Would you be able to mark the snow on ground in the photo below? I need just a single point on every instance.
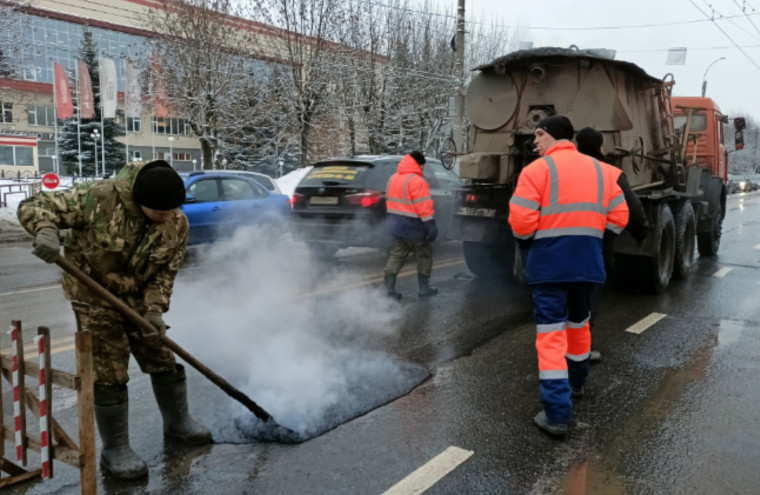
(8, 221)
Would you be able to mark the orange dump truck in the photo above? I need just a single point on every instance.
(671, 150)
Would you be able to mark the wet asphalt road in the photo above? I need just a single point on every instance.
(673, 409)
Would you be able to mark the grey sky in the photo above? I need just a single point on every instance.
(731, 82)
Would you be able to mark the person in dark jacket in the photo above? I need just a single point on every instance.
(412, 225)
(591, 142)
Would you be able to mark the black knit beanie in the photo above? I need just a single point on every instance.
(558, 127)
(158, 187)
(418, 157)
(590, 142)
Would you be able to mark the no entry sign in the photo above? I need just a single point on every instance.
(50, 181)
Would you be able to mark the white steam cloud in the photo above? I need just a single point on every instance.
(275, 323)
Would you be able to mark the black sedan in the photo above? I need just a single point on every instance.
(341, 202)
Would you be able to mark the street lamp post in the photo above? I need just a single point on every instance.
(194, 162)
(95, 135)
(704, 78)
(55, 164)
(171, 151)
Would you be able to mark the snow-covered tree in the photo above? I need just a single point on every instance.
(212, 70)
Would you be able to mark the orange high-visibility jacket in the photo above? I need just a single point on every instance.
(563, 203)
(408, 200)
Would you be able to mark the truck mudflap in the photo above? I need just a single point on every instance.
(474, 228)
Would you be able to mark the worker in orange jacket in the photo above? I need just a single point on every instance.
(412, 225)
(562, 205)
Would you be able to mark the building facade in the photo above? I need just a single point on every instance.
(36, 34)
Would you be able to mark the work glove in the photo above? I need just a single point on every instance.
(155, 319)
(431, 230)
(46, 245)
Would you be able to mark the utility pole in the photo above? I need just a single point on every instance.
(459, 68)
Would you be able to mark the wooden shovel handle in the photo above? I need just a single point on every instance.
(141, 322)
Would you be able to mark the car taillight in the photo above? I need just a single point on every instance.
(297, 199)
(471, 198)
(364, 199)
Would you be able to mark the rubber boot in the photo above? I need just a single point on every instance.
(117, 457)
(390, 286)
(596, 356)
(170, 389)
(555, 429)
(424, 284)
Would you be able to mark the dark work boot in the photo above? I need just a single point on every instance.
(117, 457)
(390, 286)
(170, 389)
(424, 284)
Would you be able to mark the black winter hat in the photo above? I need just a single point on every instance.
(558, 127)
(159, 187)
(418, 157)
(590, 142)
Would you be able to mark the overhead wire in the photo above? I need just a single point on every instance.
(726, 34)
(748, 17)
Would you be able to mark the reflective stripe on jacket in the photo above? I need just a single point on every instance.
(563, 203)
(408, 200)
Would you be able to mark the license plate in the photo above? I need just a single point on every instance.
(476, 212)
(324, 200)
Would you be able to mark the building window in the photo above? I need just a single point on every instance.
(161, 155)
(170, 126)
(6, 155)
(7, 116)
(22, 156)
(133, 124)
(41, 115)
(182, 157)
(135, 156)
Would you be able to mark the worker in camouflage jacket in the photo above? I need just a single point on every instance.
(129, 234)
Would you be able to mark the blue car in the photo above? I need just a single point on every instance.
(218, 204)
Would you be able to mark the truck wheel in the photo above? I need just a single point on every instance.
(492, 261)
(709, 242)
(660, 267)
(686, 231)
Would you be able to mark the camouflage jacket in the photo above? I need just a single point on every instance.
(111, 240)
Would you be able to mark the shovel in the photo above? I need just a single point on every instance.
(271, 431)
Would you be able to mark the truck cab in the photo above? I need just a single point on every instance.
(705, 144)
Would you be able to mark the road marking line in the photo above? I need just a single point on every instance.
(431, 472)
(372, 280)
(722, 272)
(30, 290)
(645, 323)
(30, 350)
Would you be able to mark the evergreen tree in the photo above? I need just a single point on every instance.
(70, 136)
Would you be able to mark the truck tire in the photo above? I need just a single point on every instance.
(491, 261)
(686, 238)
(660, 266)
(708, 242)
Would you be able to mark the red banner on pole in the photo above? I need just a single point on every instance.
(87, 102)
(64, 105)
(160, 98)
